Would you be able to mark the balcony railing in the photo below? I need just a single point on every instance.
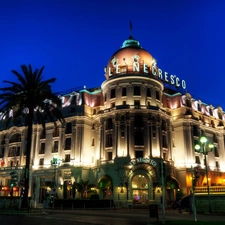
(119, 107)
(212, 189)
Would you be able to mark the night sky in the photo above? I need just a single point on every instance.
(74, 39)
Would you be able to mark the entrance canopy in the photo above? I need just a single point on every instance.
(172, 183)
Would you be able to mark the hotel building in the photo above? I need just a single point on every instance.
(128, 137)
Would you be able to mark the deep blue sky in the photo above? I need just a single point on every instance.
(74, 39)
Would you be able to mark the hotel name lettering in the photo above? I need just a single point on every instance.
(143, 160)
(146, 68)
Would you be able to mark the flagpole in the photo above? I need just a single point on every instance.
(130, 27)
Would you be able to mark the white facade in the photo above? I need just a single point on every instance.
(116, 137)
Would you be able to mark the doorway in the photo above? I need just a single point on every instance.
(140, 189)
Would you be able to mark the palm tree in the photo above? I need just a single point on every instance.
(31, 98)
(83, 187)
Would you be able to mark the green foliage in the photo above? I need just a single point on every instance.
(31, 100)
(31, 92)
(84, 188)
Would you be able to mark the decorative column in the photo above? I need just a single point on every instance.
(101, 138)
(170, 143)
(128, 137)
(116, 136)
(73, 142)
(149, 130)
(158, 125)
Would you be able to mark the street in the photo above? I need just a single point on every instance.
(100, 217)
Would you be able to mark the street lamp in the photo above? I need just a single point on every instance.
(55, 162)
(204, 148)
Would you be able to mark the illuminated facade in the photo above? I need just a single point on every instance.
(116, 137)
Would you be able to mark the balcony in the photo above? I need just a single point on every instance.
(120, 107)
(212, 189)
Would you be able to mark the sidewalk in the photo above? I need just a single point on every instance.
(170, 214)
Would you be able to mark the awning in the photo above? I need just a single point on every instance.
(172, 183)
(104, 182)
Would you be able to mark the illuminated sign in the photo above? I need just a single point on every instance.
(150, 69)
(143, 160)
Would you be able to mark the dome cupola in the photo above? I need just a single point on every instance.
(130, 59)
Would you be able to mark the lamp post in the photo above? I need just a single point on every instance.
(204, 148)
(55, 162)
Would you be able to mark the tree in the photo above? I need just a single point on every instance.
(83, 187)
(31, 98)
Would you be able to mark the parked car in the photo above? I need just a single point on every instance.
(183, 202)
